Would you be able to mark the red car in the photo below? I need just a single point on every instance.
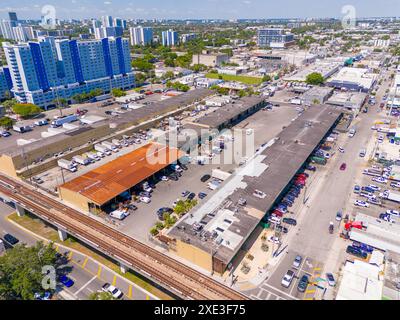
(277, 213)
(343, 167)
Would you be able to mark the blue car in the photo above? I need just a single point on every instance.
(202, 195)
(66, 281)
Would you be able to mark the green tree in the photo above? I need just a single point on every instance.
(266, 78)
(9, 104)
(168, 75)
(6, 122)
(101, 296)
(26, 110)
(142, 65)
(118, 93)
(21, 270)
(315, 78)
(199, 67)
(95, 93)
(60, 103)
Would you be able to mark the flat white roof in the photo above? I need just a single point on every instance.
(361, 281)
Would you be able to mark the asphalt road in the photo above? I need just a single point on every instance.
(330, 191)
(88, 275)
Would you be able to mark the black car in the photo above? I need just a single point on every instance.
(282, 229)
(183, 166)
(173, 177)
(356, 252)
(311, 168)
(303, 283)
(11, 239)
(162, 211)
(205, 178)
(290, 221)
(191, 196)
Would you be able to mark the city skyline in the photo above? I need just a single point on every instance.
(215, 9)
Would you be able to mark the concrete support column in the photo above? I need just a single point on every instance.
(124, 269)
(62, 235)
(20, 211)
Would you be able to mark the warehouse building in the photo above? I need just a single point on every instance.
(212, 236)
(38, 156)
(317, 95)
(96, 189)
(353, 79)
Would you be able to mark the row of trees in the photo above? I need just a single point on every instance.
(178, 86)
(82, 97)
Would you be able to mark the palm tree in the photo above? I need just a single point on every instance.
(60, 104)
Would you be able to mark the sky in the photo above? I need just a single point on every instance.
(200, 9)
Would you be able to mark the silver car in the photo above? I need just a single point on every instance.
(297, 262)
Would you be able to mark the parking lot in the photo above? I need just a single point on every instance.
(266, 125)
(94, 109)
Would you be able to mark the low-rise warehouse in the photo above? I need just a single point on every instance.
(98, 187)
(37, 156)
(212, 236)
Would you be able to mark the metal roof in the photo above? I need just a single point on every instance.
(110, 180)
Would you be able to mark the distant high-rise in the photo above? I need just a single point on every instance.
(13, 17)
(50, 68)
(5, 82)
(6, 28)
(169, 38)
(107, 21)
(141, 36)
(106, 32)
(118, 22)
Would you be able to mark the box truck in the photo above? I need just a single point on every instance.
(110, 145)
(81, 160)
(67, 119)
(103, 149)
(67, 165)
(21, 129)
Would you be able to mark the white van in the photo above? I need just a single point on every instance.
(362, 153)
(119, 215)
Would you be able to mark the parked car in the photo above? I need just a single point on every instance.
(303, 283)
(343, 167)
(205, 178)
(115, 292)
(339, 216)
(289, 221)
(374, 187)
(287, 279)
(191, 196)
(331, 279)
(380, 180)
(356, 252)
(281, 229)
(202, 195)
(357, 189)
(185, 194)
(297, 262)
(360, 203)
(11, 239)
(274, 240)
(145, 199)
(311, 168)
(66, 281)
(162, 211)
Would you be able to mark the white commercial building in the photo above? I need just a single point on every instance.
(361, 281)
(354, 79)
(326, 69)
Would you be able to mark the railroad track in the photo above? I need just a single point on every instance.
(165, 270)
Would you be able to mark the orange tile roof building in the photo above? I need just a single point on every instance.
(102, 185)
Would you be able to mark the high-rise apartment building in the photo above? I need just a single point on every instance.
(5, 82)
(106, 32)
(44, 70)
(141, 36)
(107, 21)
(169, 38)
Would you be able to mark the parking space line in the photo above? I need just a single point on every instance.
(85, 285)
(85, 262)
(57, 247)
(130, 291)
(311, 291)
(114, 280)
(147, 297)
(99, 271)
(70, 254)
